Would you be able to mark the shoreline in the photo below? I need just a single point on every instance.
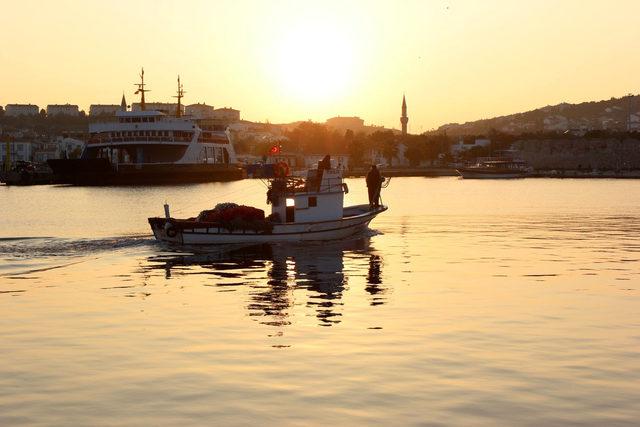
(438, 172)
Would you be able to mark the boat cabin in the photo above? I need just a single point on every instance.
(506, 164)
(316, 198)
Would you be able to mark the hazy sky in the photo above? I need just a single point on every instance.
(295, 60)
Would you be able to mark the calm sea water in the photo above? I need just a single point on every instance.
(468, 303)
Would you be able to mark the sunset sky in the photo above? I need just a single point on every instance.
(295, 60)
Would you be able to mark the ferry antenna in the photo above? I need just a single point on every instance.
(141, 90)
(180, 94)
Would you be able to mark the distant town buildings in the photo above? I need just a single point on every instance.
(36, 149)
(108, 109)
(200, 111)
(104, 109)
(59, 109)
(68, 147)
(555, 123)
(228, 115)
(44, 151)
(464, 145)
(338, 161)
(255, 132)
(354, 124)
(16, 110)
(164, 107)
(19, 151)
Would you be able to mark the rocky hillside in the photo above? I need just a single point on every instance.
(613, 114)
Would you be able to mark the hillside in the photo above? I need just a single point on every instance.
(612, 114)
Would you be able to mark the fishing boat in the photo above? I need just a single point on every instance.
(302, 209)
(495, 168)
(150, 147)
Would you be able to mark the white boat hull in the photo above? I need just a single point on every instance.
(355, 220)
(470, 174)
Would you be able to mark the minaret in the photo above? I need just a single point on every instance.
(404, 119)
(123, 103)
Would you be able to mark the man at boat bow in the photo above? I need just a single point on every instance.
(374, 181)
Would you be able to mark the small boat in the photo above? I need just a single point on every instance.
(27, 173)
(496, 168)
(302, 209)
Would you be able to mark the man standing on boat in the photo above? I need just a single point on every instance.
(374, 180)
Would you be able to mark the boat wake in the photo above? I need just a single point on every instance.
(55, 246)
(25, 255)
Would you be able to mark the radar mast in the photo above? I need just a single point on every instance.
(180, 94)
(141, 90)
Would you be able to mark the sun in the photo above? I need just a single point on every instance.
(314, 62)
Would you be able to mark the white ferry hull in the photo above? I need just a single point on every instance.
(356, 220)
(102, 172)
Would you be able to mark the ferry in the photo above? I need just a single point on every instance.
(302, 209)
(150, 147)
(496, 168)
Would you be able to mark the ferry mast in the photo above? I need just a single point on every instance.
(141, 90)
(180, 94)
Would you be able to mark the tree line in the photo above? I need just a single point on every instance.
(316, 138)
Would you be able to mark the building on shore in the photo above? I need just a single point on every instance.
(44, 151)
(108, 109)
(68, 146)
(338, 161)
(226, 114)
(354, 124)
(464, 145)
(62, 110)
(38, 149)
(220, 119)
(104, 109)
(18, 151)
(200, 111)
(16, 110)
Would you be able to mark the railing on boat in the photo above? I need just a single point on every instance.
(295, 185)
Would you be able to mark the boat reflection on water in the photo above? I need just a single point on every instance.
(274, 274)
(374, 282)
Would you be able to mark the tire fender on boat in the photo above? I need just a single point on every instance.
(170, 230)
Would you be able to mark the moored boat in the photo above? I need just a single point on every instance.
(302, 209)
(150, 147)
(495, 168)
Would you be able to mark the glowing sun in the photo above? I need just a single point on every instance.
(314, 62)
